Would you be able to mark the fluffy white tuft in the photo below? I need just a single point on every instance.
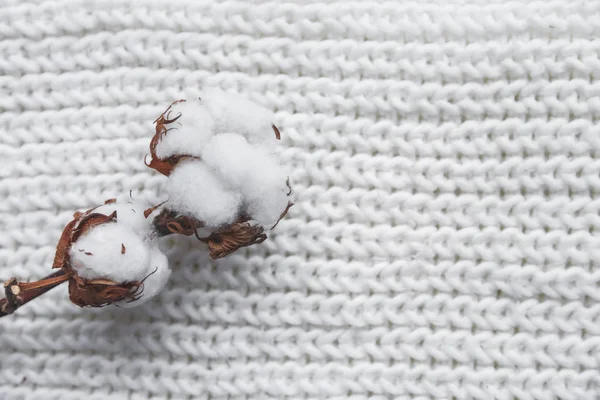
(191, 131)
(131, 216)
(196, 191)
(252, 171)
(265, 192)
(229, 156)
(98, 254)
(155, 280)
(234, 113)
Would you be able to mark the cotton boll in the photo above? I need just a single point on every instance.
(130, 215)
(235, 113)
(155, 280)
(194, 190)
(187, 135)
(111, 251)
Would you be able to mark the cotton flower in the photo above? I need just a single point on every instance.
(223, 173)
(111, 255)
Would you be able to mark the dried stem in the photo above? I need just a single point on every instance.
(19, 294)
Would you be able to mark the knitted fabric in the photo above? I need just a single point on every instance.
(445, 242)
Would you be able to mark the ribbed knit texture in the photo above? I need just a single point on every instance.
(446, 239)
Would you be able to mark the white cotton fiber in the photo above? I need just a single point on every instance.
(234, 113)
(98, 254)
(195, 191)
(265, 191)
(229, 156)
(155, 280)
(187, 135)
(253, 172)
(130, 215)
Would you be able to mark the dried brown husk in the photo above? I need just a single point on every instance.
(229, 239)
(86, 292)
(284, 212)
(150, 210)
(168, 222)
(220, 243)
(99, 293)
(164, 165)
(240, 234)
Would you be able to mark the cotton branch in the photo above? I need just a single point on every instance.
(224, 176)
(20, 293)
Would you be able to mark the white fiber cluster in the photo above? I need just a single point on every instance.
(251, 171)
(122, 251)
(235, 113)
(234, 170)
(192, 128)
(131, 215)
(194, 189)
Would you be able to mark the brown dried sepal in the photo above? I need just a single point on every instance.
(81, 223)
(283, 213)
(150, 210)
(164, 165)
(233, 237)
(168, 222)
(101, 292)
(277, 133)
(221, 243)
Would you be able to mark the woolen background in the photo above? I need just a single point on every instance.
(446, 239)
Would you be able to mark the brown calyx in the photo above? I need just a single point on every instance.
(232, 237)
(90, 292)
(220, 243)
(164, 165)
(169, 222)
(101, 292)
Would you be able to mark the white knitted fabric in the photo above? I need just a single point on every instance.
(446, 239)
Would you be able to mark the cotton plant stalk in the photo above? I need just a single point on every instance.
(225, 186)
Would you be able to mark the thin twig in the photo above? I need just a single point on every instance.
(19, 294)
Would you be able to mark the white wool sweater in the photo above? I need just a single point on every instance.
(445, 242)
